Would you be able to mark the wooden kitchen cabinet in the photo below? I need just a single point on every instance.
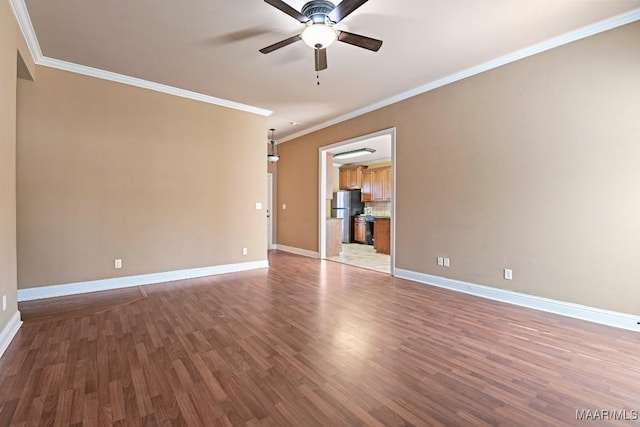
(374, 183)
(351, 177)
(360, 230)
(380, 184)
(386, 184)
(343, 181)
(377, 186)
(382, 235)
(366, 194)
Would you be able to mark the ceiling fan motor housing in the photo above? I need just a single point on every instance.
(317, 10)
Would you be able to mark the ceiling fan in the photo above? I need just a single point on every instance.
(319, 17)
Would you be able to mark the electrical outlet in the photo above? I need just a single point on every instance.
(4, 303)
(244, 251)
(117, 263)
(440, 261)
(447, 263)
(508, 274)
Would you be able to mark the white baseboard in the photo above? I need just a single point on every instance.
(591, 314)
(298, 251)
(130, 281)
(9, 331)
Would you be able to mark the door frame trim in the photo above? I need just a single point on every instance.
(270, 240)
(322, 190)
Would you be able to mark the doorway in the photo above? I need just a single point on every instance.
(359, 251)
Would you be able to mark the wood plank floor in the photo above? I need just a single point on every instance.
(311, 343)
(52, 309)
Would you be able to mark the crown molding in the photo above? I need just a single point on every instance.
(19, 9)
(145, 84)
(21, 13)
(590, 30)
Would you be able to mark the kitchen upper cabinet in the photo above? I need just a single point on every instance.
(367, 186)
(344, 179)
(376, 183)
(351, 177)
(386, 184)
(380, 185)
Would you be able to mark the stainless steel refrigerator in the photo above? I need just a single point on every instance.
(346, 204)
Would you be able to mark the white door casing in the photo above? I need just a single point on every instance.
(270, 244)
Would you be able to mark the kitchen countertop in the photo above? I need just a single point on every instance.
(374, 217)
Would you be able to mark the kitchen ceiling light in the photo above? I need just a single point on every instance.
(319, 36)
(355, 153)
(272, 156)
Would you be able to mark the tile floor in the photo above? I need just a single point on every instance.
(363, 256)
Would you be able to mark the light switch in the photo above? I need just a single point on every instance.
(284, 206)
(258, 206)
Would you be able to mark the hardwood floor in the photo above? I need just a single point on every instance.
(309, 343)
(51, 309)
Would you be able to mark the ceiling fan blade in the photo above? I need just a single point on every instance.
(279, 4)
(280, 44)
(360, 41)
(321, 59)
(342, 10)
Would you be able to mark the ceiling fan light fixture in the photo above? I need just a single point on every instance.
(319, 36)
(319, 18)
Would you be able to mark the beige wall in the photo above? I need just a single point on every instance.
(111, 171)
(532, 166)
(11, 45)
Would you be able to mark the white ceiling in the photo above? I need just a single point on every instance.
(211, 46)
